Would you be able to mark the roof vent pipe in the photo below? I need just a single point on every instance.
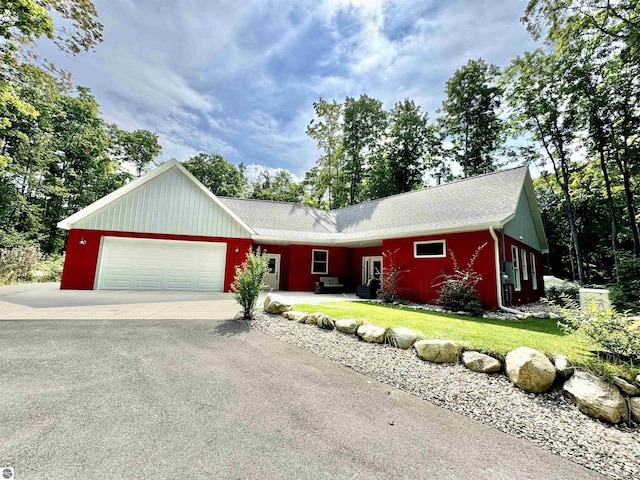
(499, 274)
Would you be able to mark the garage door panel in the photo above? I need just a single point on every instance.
(150, 264)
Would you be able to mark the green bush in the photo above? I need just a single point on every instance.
(457, 290)
(248, 281)
(18, 264)
(617, 334)
(49, 269)
(560, 295)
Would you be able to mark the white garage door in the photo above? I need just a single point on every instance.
(146, 264)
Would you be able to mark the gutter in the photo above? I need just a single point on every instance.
(496, 249)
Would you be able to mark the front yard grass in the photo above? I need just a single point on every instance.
(488, 335)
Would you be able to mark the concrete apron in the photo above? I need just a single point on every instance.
(46, 301)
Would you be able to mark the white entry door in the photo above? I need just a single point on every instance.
(150, 264)
(272, 279)
(371, 268)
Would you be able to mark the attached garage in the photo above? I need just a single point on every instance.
(150, 264)
(163, 231)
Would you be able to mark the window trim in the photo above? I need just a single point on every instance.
(534, 272)
(313, 261)
(524, 264)
(515, 263)
(444, 249)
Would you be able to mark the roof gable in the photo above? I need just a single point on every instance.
(166, 200)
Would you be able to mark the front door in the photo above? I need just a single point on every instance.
(272, 279)
(371, 268)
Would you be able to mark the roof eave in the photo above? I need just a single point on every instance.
(343, 239)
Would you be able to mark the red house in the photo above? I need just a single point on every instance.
(167, 231)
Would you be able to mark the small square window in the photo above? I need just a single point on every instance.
(434, 249)
(320, 262)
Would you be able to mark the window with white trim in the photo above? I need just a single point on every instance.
(525, 268)
(319, 262)
(516, 268)
(534, 273)
(432, 249)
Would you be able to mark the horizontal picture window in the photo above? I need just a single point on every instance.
(434, 249)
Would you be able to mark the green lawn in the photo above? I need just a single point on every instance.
(498, 336)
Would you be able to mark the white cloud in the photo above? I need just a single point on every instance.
(240, 78)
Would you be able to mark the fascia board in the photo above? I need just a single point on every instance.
(350, 238)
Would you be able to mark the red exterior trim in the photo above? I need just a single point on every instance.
(81, 261)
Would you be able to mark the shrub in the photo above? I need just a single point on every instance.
(393, 273)
(560, 295)
(17, 264)
(49, 269)
(457, 290)
(248, 281)
(617, 334)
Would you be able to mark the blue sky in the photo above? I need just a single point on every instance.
(240, 77)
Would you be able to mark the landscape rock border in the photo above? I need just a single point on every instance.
(527, 368)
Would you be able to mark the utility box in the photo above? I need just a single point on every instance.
(599, 295)
(507, 273)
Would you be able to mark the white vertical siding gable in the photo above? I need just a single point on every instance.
(171, 203)
(521, 226)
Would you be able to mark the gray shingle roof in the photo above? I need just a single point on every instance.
(475, 202)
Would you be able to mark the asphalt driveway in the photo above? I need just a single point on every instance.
(209, 399)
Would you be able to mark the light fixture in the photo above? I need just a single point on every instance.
(83, 241)
(237, 249)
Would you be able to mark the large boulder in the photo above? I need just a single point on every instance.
(638, 379)
(479, 362)
(626, 387)
(596, 397)
(296, 316)
(325, 322)
(634, 408)
(347, 325)
(530, 370)
(371, 333)
(276, 304)
(437, 351)
(401, 337)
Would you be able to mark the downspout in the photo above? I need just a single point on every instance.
(496, 248)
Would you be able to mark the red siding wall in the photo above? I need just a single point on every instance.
(300, 276)
(283, 250)
(418, 282)
(81, 261)
(527, 294)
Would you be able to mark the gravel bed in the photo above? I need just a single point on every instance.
(549, 420)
